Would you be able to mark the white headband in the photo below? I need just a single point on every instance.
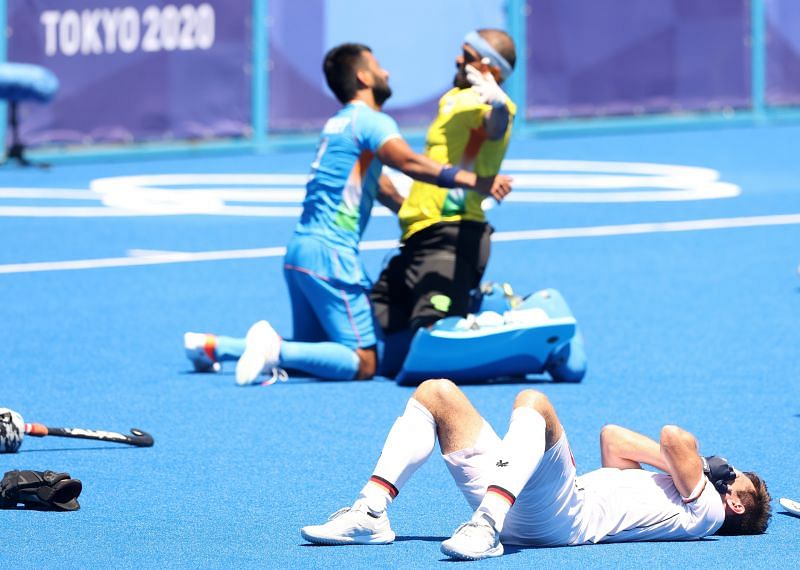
(485, 49)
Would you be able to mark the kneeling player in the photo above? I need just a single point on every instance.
(524, 488)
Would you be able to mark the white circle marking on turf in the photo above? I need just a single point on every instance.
(565, 181)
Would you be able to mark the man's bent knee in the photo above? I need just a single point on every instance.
(541, 403)
(533, 399)
(435, 392)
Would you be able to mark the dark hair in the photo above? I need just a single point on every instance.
(340, 66)
(757, 510)
(501, 42)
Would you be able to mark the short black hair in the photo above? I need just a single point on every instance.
(340, 66)
(757, 510)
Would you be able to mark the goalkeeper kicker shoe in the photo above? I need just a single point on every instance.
(261, 355)
(474, 540)
(351, 525)
(200, 350)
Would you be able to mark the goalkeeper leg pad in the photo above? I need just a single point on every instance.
(567, 362)
(539, 334)
(485, 346)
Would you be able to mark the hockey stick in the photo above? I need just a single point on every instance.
(138, 437)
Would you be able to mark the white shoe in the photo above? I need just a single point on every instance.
(261, 354)
(351, 525)
(792, 506)
(474, 540)
(200, 350)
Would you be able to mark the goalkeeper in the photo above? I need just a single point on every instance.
(445, 236)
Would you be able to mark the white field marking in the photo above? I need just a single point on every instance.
(559, 233)
(566, 181)
(157, 259)
(573, 181)
(48, 193)
(670, 182)
(56, 211)
(650, 228)
(148, 194)
(149, 252)
(72, 212)
(651, 168)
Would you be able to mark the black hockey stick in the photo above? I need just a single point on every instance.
(138, 437)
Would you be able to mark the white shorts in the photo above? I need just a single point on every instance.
(546, 512)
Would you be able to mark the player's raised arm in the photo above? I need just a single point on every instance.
(626, 449)
(496, 119)
(396, 153)
(488, 59)
(679, 450)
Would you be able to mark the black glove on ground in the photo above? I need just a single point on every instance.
(40, 490)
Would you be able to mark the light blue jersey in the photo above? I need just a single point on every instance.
(327, 283)
(344, 176)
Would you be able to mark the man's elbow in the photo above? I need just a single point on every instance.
(673, 436)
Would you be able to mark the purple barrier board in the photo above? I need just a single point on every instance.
(783, 52)
(623, 57)
(135, 70)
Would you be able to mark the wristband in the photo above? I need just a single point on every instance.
(447, 177)
(485, 49)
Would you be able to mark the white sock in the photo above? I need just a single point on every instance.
(519, 456)
(409, 444)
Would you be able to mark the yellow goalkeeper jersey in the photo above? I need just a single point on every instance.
(455, 137)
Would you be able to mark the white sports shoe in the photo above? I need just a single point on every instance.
(261, 354)
(202, 359)
(351, 525)
(474, 540)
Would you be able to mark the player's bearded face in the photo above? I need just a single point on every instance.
(468, 56)
(381, 90)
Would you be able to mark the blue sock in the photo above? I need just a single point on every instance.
(328, 360)
(229, 348)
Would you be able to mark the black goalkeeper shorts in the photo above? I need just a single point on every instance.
(432, 275)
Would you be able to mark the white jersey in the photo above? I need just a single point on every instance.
(633, 505)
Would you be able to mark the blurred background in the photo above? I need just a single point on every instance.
(139, 74)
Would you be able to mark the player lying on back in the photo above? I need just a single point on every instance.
(524, 489)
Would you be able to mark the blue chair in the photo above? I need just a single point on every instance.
(23, 82)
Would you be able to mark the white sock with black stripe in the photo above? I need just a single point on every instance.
(519, 456)
(409, 444)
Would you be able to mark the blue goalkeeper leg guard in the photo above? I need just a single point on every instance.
(538, 335)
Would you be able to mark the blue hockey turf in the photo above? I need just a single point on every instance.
(690, 309)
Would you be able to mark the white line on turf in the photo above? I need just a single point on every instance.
(150, 252)
(163, 257)
(552, 181)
